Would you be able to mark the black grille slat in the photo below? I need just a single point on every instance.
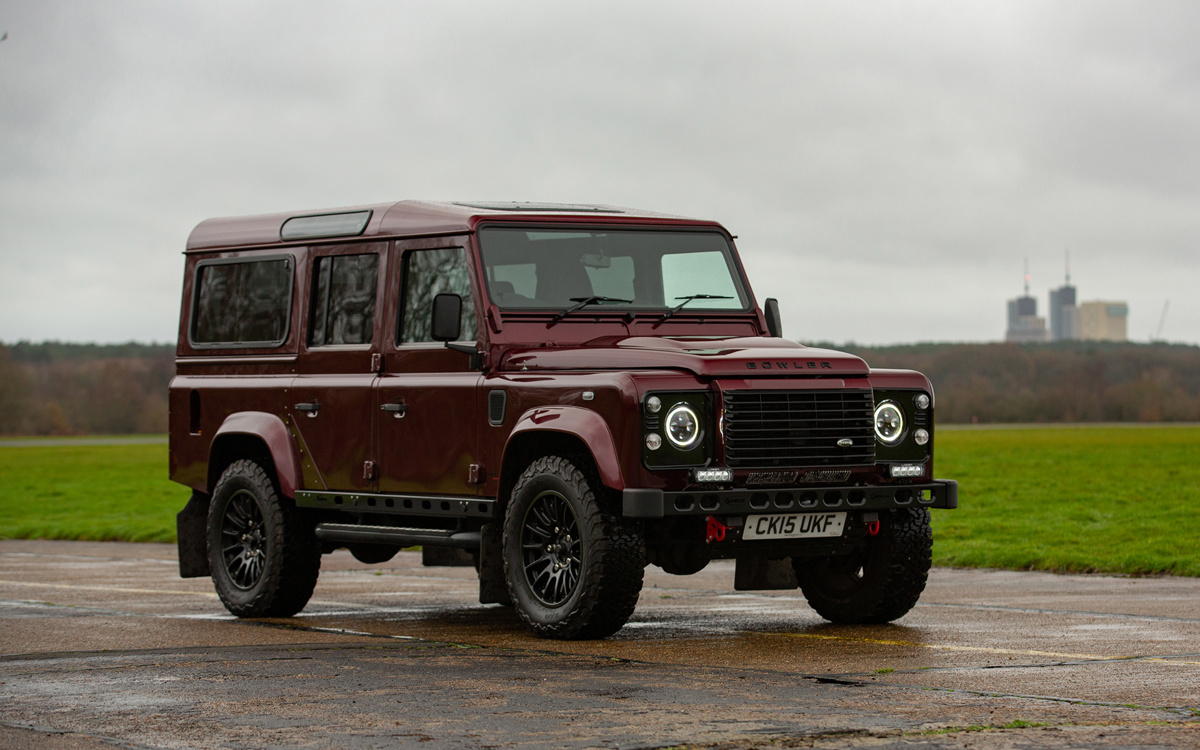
(798, 429)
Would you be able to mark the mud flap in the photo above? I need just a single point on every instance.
(493, 588)
(191, 532)
(761, 574)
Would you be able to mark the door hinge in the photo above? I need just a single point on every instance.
(368, 470)
(475, 474)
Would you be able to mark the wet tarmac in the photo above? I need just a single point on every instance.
(103, 645)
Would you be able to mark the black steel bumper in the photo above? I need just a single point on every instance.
(638, 503)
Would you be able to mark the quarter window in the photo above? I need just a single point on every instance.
(343, 300)
(428, 273)
(242, 303)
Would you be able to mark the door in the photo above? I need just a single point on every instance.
(331, 399)
(425, 401)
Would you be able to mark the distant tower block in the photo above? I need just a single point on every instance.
(1023, 323)
(1064, 314)
(1104, 321)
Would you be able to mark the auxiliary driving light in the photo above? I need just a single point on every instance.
(921, 400)
(907, 470)
(654, 441)
(921, 437)
(713, 475)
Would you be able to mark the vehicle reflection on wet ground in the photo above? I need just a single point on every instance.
(104, 642)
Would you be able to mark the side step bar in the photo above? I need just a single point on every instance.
(348, 533)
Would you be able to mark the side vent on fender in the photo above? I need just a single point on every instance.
(497, 400)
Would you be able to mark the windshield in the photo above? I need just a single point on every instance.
(555, 269)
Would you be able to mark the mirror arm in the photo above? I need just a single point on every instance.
(476, 362)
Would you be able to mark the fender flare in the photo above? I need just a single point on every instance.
(584, 424)
(274, 434)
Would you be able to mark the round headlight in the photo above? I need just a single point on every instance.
(683, 427)
(889, 423)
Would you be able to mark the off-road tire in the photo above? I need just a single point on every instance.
(264, 557)
(604, 555)
(880, 581)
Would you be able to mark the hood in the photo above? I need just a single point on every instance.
(705, 357)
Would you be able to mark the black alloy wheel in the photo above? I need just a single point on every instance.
(263, 554)
(573, 565)
(243, 541)
(551, 549)
(880, 581)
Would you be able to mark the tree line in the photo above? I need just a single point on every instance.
(56, 388)
(1068, 381)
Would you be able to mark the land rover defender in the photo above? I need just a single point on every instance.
(557, 395)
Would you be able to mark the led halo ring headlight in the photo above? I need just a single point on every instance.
(889, 423)
(682, 427)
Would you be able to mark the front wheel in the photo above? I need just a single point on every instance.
(264, 558)
(880, 580)
(574, 571)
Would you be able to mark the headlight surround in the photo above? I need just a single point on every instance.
(682, 427)
(889, 423)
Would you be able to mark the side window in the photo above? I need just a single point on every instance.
(428, 273)
(242, 303)
(342, 306)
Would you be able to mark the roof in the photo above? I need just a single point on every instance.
(401, 219)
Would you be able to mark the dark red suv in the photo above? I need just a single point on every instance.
(555, 394)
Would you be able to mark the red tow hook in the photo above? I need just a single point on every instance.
(716, 531)
(873, 527)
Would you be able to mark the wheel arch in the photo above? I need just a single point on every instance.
(260, 436)
(568, 431)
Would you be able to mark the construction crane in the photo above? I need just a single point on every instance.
(1162, 319)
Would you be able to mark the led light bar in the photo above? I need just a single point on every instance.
(712, 475)
(907, 470)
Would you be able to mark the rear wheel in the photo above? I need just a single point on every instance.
(880, 581)
(573, 570)
(264, 558)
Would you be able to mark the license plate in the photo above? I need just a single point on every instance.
(794, 526)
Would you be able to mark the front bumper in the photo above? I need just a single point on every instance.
(641, 503)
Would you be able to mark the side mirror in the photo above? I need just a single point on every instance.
(446, 324)
(771, 312)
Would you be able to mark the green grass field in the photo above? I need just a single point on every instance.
(98, 492)
(1116, 500)
(1103, 499)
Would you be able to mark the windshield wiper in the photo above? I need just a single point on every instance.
(582, 302)
(688, 299)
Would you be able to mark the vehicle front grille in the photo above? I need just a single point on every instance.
(796, 429)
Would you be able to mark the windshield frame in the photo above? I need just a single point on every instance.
(741, 287)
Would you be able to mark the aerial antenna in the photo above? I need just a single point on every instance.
(1027, 277)
(1068, 254)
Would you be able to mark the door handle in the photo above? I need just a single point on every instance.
(397, 410)
(309, 409)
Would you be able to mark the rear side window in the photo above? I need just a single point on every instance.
(242, 303)
(343, 300)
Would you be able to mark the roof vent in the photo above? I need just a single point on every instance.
(346, 224)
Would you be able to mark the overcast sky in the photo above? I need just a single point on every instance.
(887, 167)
